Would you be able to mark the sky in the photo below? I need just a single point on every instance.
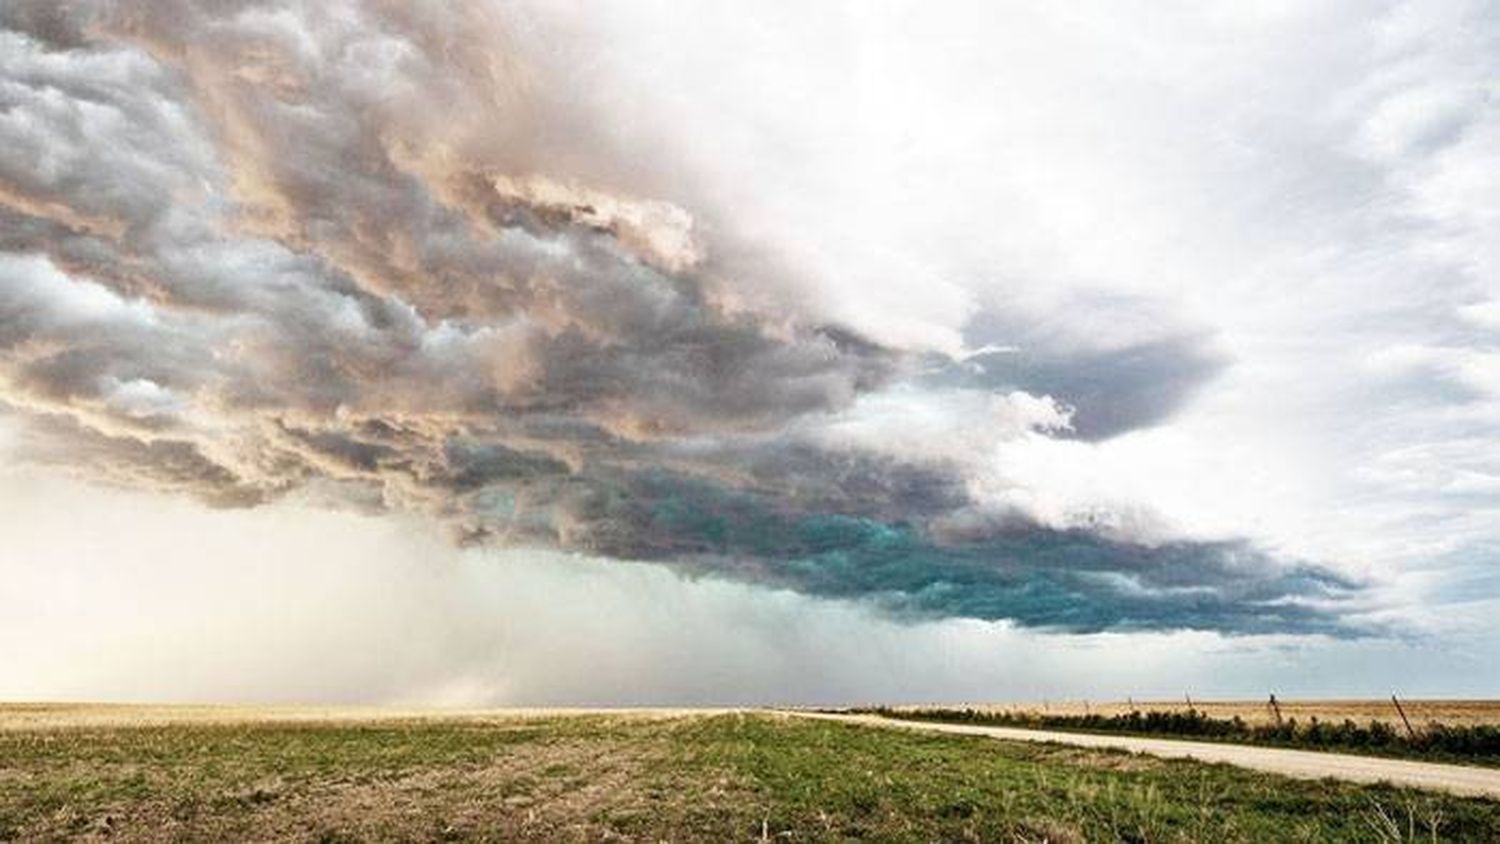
(505, 353)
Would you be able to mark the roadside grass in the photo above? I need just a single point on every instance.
(691, 778)
(1419, 711)
(1475, 744)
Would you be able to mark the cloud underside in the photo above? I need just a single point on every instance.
(369, 256)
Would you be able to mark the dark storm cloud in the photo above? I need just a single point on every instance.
(257, 248)
(1132, 380)
(1066, 580)
(1111, 392)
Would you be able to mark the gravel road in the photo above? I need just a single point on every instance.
(1304, 764)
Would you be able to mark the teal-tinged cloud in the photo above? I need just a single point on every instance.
(1034, 576)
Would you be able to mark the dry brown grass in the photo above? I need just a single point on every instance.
(1456, 713)
(43, 716)
(226, 774)
(95, 773)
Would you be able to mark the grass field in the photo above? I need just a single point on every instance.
(1467, 738)
(212, 774)
(1453, 713)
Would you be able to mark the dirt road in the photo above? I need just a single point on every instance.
(1304, 764)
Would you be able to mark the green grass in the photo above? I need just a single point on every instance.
(1466, 745)
(720, 778)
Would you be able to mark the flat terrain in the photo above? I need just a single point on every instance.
(122, 773)
(1454, 713)
(1305, 764)
(43, 716)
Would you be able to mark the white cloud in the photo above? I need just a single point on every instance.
(1314, 188)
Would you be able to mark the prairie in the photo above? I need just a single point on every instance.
(1452, 733)
(1421, 712)
(213, 773)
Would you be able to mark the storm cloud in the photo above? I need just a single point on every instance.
(1115, 382)
(375, 255)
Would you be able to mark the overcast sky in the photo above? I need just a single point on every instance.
(535, 352)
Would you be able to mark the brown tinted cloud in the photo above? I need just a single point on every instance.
(372, 255)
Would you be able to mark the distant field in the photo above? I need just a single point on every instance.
(1461, 732)
(127, 773)
(44, 716)
(1457, 713)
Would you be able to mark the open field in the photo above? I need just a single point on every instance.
(212, 773)
(45, 716)
(1318, 728)
(1453, 713)
(1464, 779)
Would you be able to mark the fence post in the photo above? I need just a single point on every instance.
(1410, 733)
